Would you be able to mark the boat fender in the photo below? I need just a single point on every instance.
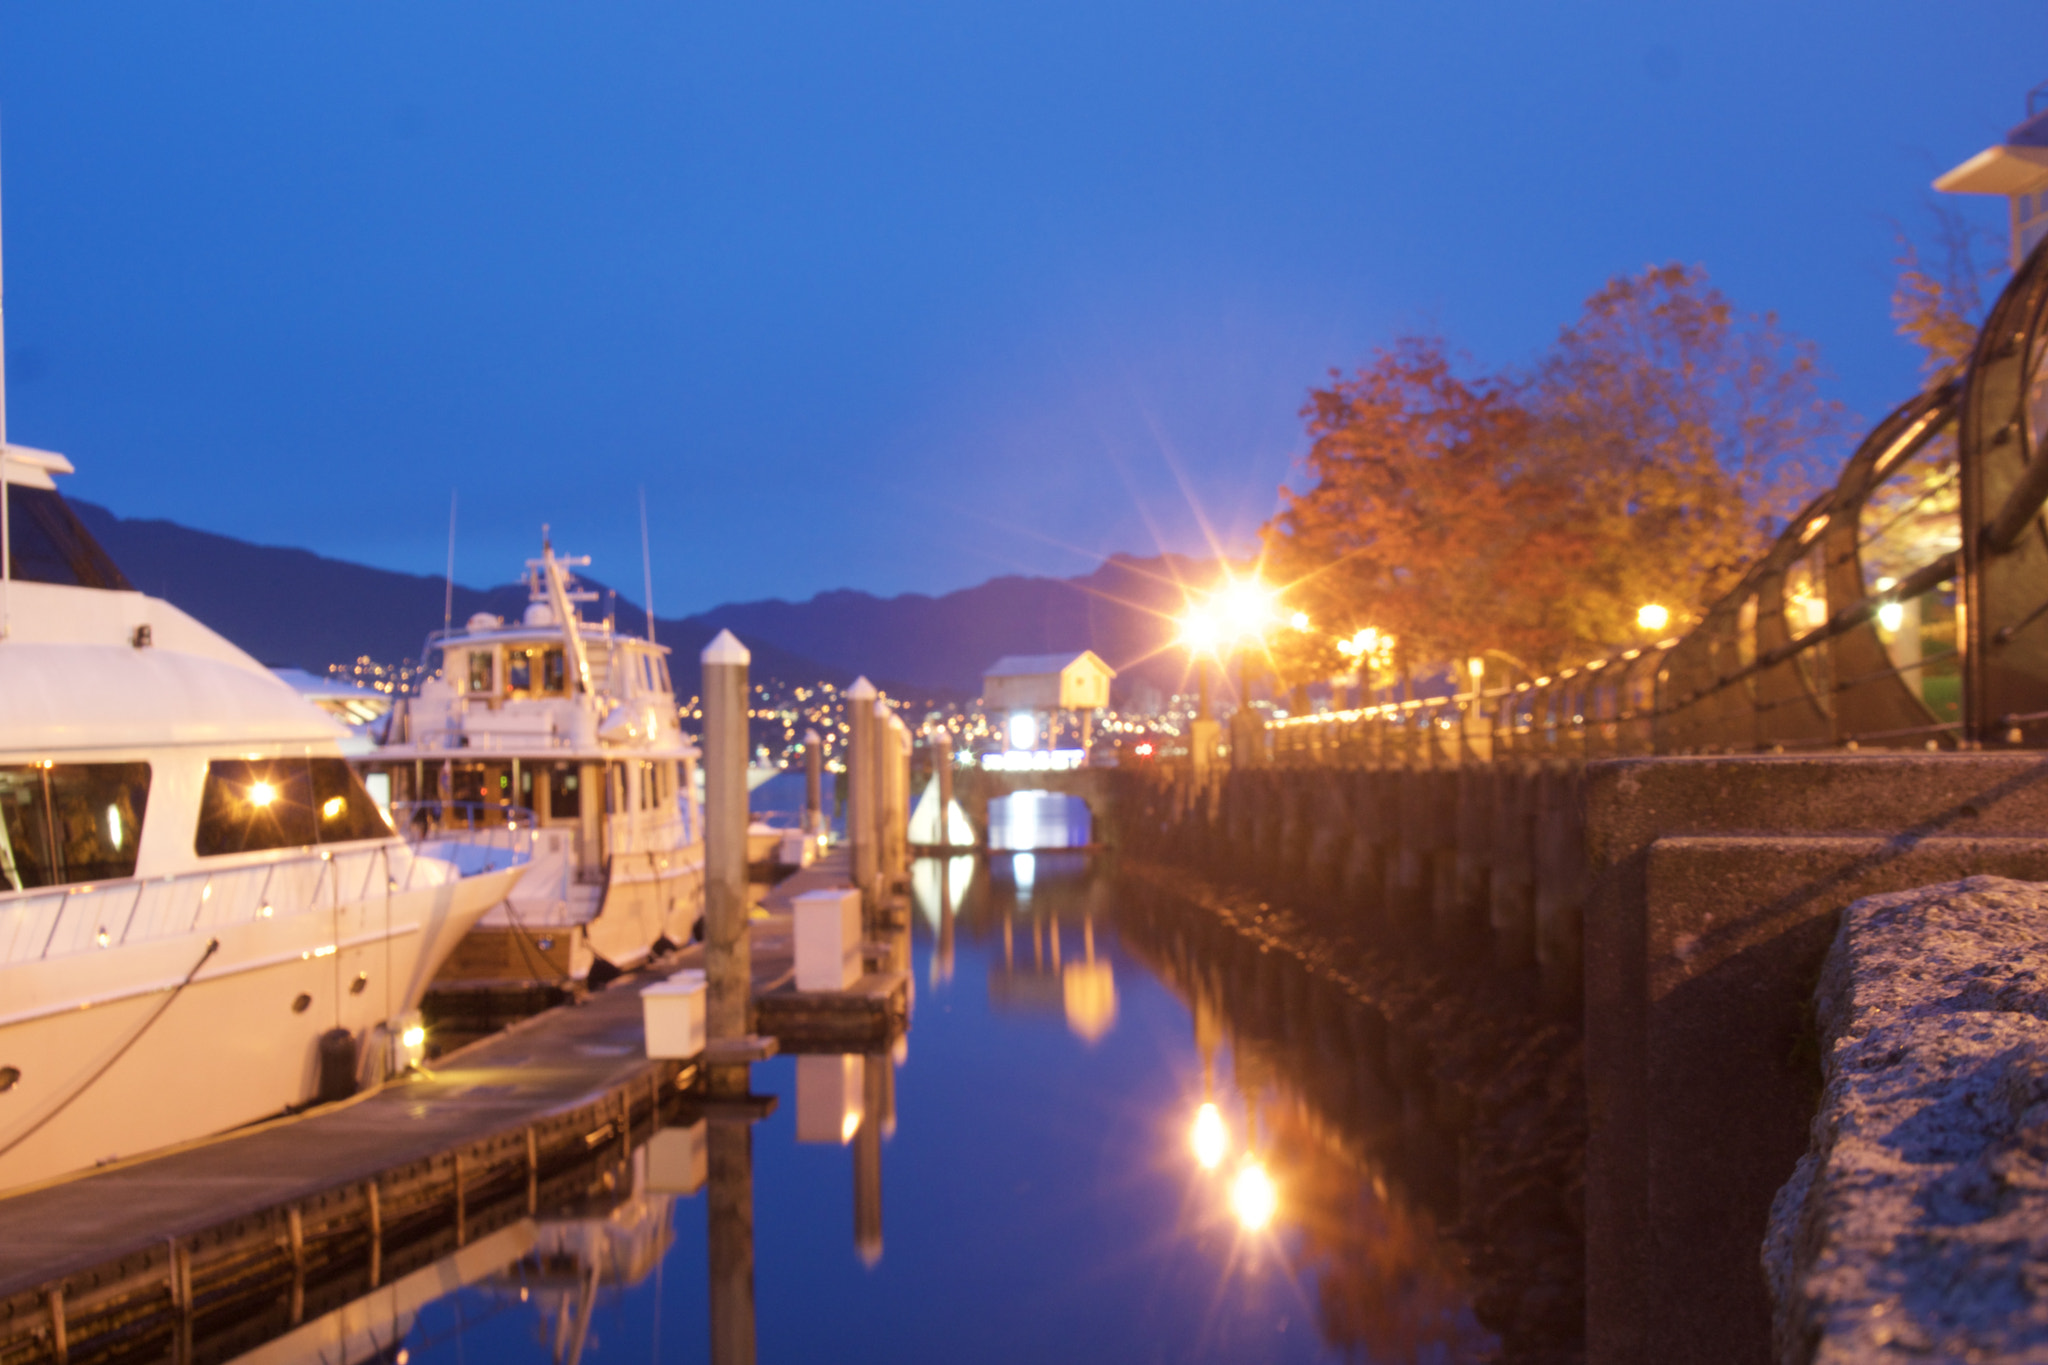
(602, 974)
(337, 1065)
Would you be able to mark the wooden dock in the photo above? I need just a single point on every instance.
(286, 1218)
(866, 1017)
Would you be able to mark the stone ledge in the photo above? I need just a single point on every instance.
(1916, 1227)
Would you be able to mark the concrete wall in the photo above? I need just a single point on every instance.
(1683, 904)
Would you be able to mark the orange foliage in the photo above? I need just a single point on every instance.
(1645, 457)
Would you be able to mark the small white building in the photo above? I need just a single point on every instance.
(1047, 682)
(1045, 685)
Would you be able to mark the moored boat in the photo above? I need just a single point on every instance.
(204, 918)
(562, 735)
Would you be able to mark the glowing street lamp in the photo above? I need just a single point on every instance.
(1253, 1196)
(1651, 616)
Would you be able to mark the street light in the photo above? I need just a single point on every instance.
(1651, 616)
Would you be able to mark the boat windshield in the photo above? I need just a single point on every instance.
(48, 544)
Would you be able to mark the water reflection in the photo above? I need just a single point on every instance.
(1038, 819)
(1133, 1131)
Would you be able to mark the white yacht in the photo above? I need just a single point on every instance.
(204, 919)
(563, 735)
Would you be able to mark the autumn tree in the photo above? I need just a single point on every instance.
(1644, 458)
(1938, 302)
(1423, 497)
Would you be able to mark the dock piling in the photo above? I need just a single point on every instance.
(727, 971)
(814, 784)
(860, 790)
(376, 1238)
(942, 768)
(731, 1235)
(295, 1221)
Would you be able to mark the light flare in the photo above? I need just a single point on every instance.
(1209, 1137)
(1253, 1196)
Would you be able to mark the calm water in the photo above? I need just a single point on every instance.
(1041, 1196)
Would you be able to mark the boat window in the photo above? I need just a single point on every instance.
(48, 544)
(564, 799)
(518, 670)
(551, 677)
(70, 822)
(347, 811)
(661, 672)
(253, 804)
(480, 670)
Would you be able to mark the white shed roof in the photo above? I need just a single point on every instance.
(1038, 665)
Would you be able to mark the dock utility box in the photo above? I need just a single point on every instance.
(827, 939)
(673, 1011)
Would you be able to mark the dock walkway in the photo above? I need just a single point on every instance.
(488, 1121)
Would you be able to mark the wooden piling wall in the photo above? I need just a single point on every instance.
(1481, 863)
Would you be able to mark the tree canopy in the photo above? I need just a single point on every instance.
(1645, 457)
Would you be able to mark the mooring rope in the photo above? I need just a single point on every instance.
(212, 946)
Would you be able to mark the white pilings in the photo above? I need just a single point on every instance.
(814, 784)
(727, 960)
(861, 822)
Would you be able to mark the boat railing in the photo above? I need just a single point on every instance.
(419, 820)
(61, 920)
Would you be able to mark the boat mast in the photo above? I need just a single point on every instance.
(448, 593)
(564, 604)
(646, 567)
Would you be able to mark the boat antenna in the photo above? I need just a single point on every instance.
(448, 593)
(646, 567)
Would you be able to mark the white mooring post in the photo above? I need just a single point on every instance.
(727, 965)
(885, 797)
(899, 830)
(860, 775)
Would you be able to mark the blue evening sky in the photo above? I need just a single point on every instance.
(892, 296)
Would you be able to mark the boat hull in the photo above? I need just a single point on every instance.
(119, 1054)
(522, 947)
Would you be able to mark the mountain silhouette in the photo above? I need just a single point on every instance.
(293, 607)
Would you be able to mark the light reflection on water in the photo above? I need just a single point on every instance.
(1078, 1155)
